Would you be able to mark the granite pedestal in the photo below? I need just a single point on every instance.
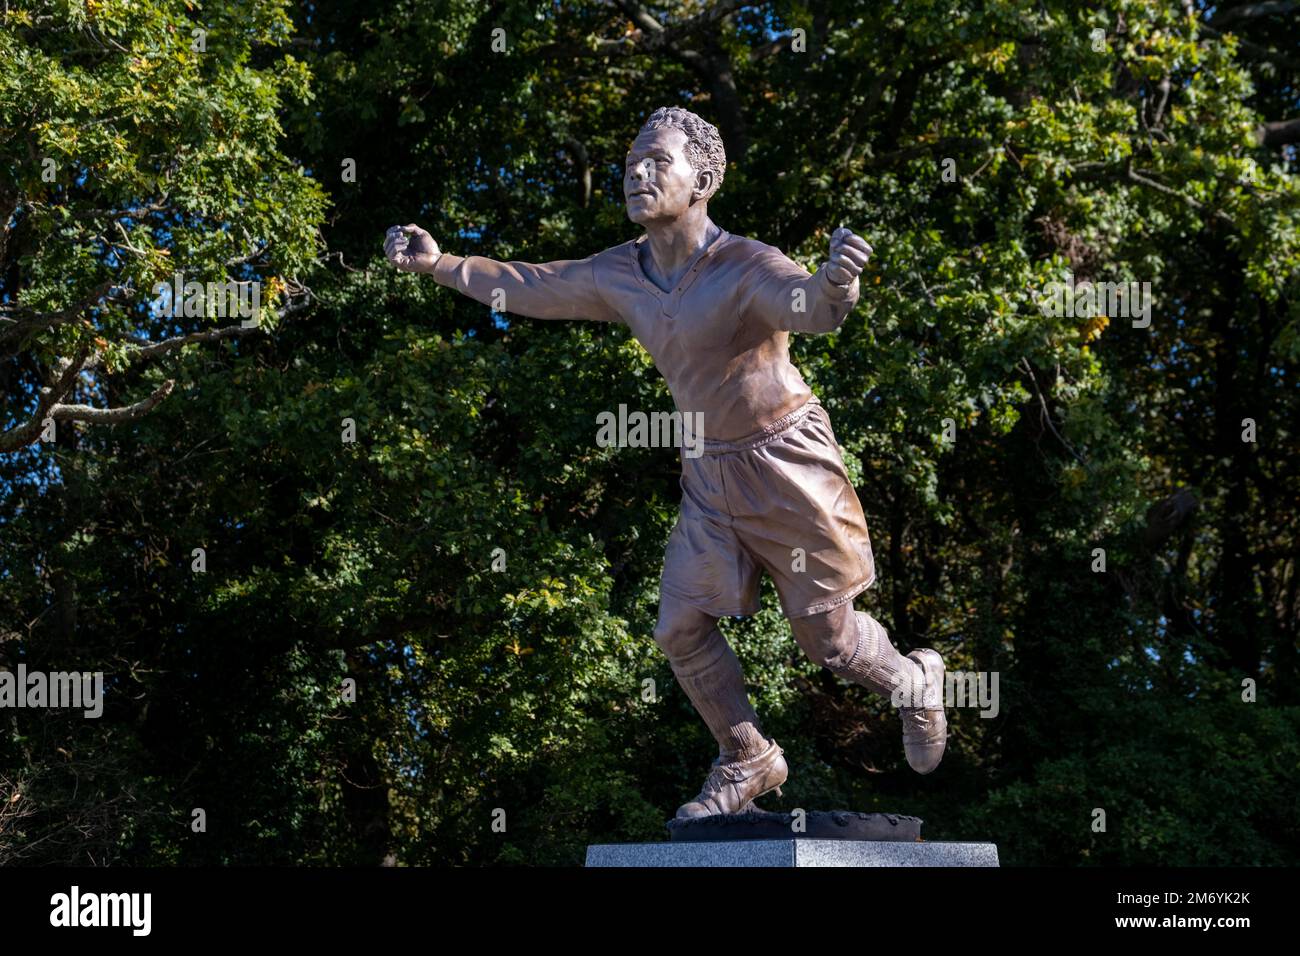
(761, 839)
(792, 852)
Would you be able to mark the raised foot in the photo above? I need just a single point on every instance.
(925, 726)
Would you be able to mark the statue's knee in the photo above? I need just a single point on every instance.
(667, 635)
(829, 639)
(681, 633)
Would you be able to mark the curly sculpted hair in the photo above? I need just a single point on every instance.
(704, 150)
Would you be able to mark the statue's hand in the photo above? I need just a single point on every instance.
(410, 248)
(849, 254)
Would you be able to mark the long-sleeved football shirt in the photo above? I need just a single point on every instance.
(720, 338)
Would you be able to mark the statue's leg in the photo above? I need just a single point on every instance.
(708, 671)
(855, 646)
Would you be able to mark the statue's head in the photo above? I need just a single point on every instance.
(676, 161)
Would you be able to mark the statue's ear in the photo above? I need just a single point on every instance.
(704, 181)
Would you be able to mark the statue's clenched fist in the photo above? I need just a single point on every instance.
(849, 254)
(410, 248)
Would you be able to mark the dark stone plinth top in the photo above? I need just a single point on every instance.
(758, 824)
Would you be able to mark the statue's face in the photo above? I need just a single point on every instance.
(659, 182)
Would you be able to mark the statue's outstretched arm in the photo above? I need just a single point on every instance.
(564, 289)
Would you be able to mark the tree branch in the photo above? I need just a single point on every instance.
(1254, 50)
(583, 164)
(1196, 204)
(64, 379)
(1045, 415)
(48, 406)
(911, 152)
(22, 322)
(711, 15)
(1251, 11)
(112, 416)
(1278, 133)
(151, 349)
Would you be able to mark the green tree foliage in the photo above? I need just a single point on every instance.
(485, 576)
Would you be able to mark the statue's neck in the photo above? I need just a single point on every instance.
(669, 249)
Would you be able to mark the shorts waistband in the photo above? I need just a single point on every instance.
(768, 433)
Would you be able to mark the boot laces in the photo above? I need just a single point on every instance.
(721, 775)
(917, 720)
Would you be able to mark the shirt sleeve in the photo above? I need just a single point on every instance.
(782, 295)
(564, 289)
